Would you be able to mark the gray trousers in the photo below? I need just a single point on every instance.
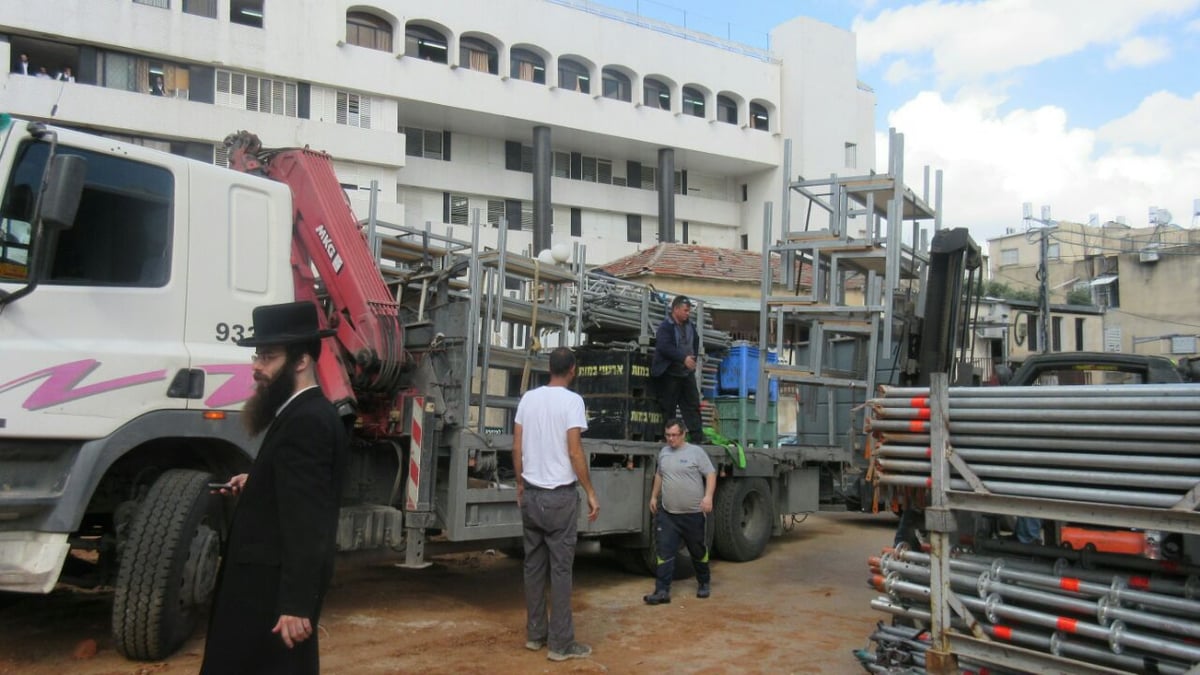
(549, 518)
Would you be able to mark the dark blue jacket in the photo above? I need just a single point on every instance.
(668, 351)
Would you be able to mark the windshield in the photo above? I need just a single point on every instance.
(1090, 374)
(122, 231)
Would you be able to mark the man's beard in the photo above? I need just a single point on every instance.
(260, 410)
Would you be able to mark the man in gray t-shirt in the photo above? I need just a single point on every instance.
(686, 481)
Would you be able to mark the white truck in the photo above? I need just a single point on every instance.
(126, 277)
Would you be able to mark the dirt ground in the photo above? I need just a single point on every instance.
(801, 608)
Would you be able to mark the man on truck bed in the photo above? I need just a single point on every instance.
(279, 558)
(676, 345)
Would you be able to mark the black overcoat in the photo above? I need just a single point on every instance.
(280, 551)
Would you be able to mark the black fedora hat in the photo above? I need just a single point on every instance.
(285, 324)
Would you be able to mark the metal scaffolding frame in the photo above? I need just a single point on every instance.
(833, 327)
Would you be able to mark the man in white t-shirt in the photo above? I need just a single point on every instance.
(549, 462)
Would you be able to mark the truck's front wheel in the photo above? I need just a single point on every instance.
(744, 518)
(168, 566)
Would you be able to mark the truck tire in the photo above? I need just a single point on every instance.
(168, 566)
(744, 518)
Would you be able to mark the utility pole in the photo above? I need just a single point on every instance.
(1043, 275)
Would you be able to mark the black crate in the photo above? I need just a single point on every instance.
(612, 372)
(623, 418)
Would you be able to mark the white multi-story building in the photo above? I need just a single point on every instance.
(438, 103)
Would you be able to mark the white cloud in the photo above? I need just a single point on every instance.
(993, 163)
(1138, 52)
(900, 71)
(967, 40)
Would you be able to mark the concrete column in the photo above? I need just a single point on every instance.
(543, 166)
(666, 195)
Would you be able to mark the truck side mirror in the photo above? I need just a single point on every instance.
(64, 190)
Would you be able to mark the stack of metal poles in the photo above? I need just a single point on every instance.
(1122, 445)
(1024, 603)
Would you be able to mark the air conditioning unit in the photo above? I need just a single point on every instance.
(1148, 254)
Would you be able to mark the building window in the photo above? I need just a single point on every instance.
(684, 237)
(1009, 256)
(424, 43)
(495, 212)
(423, 143)
(851, 155)
(368, 30)
(246, 12)
(354, 110)
(1078, 334)
(1056, 334)
(693, 102)
(528, 66)
(206, 8)
(478, 54)
(633, 228)
(760, 119)
(456, 209)
(597, 170)
(562, 165)
(574, 76)
(1053, 251)
(1031, 329)
(745, 242)
(576, 222)
(518, 157)
(163, 4)
(727, 110)
(616, 85)
(656, 94)
(257, 94)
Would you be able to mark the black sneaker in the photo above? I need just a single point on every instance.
(704, 590)
(657, 598)
(575, 650)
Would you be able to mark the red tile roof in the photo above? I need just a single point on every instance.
(700, 262)
(689, 260)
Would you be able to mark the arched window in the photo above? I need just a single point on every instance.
(693, 102)
(478, 55)
(528, 66)
(656, 94)
(574, 75)
(726, 110)
(759, 117)
(616, 85)
(424, 43)
(368, 30)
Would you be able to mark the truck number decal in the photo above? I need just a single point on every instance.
(232, 332)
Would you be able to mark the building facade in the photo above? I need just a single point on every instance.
(439, 106)
(1143, 280)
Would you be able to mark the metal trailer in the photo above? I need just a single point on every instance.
(1116, 456)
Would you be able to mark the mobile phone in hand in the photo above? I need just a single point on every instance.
(220, 486)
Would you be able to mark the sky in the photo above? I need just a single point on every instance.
(1089, 107)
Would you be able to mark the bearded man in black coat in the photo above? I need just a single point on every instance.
(279, 556)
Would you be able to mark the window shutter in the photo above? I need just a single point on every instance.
(343, 107)
(589, 169)
(252, 93)
(459, 206)
(223, 87)
(413, 142)
(364, 120)
(562, 164)
(495, 211)
(289, 100)
(604, 171)
(433, 145)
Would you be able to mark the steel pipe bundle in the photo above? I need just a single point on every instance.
(1135, 446)
(1102, 625)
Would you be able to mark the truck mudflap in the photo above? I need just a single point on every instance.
(31, 561)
